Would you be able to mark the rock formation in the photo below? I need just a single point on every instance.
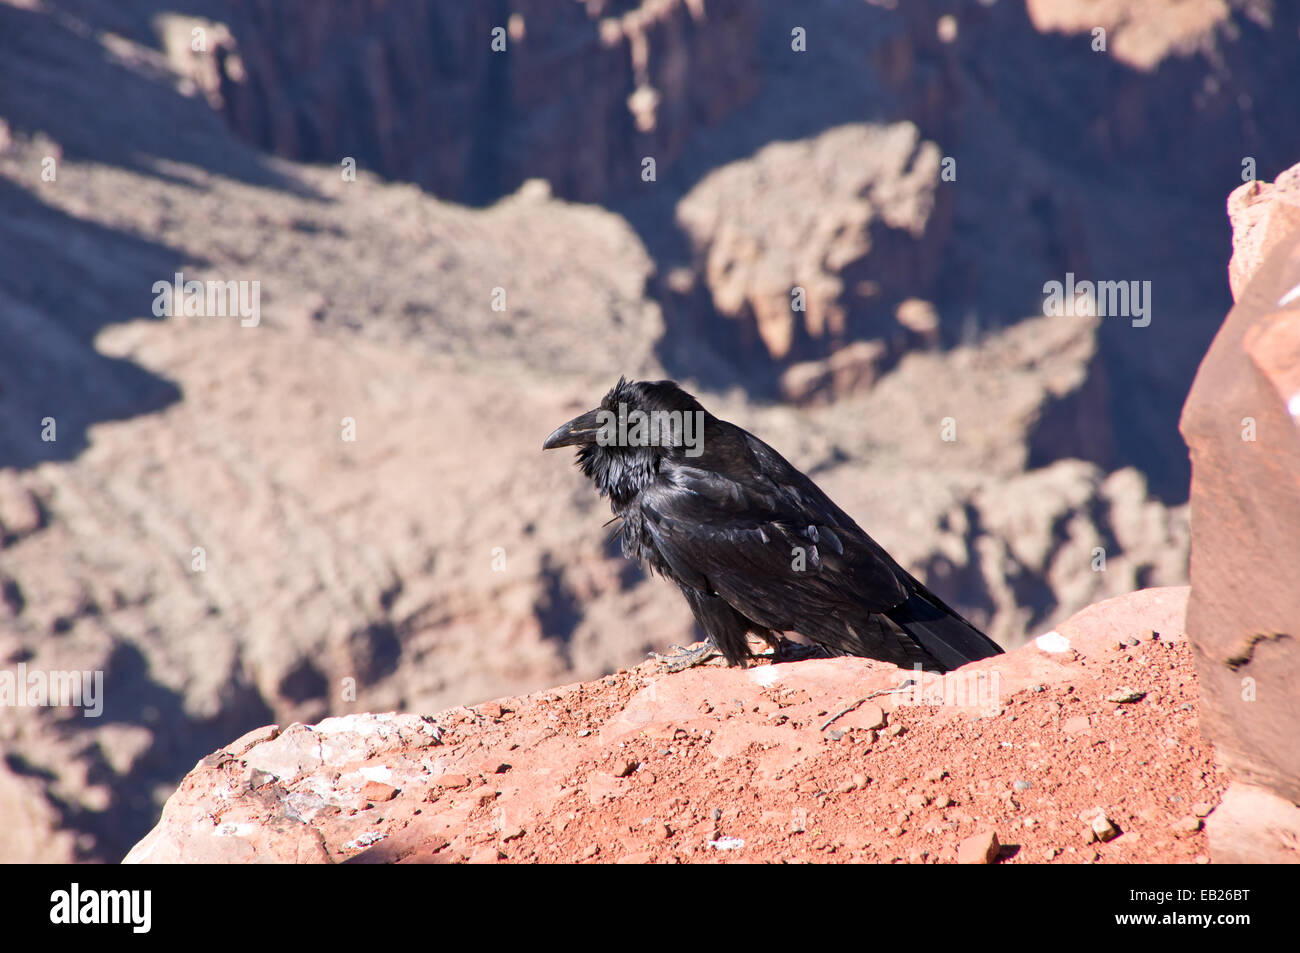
(859, 227)
(469, 100)
(1242, 423)
(1081, 170)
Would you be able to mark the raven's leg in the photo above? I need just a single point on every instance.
(684, 658)
(725, 630)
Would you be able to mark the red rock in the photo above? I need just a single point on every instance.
(1102, 828)
(1104, 623)
(1254, 826)
(252, 738)
(378, 792)
(772, 783)
(1242, 426)
(981, 848)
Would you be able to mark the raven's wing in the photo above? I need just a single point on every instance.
(752, 529)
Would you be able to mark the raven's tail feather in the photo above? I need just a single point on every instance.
(940, 631)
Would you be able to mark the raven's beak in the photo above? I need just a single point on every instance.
(577, 432)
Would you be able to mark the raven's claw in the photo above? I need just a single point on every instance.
(684, 658)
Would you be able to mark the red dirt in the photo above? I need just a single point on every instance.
(803, 761)
(912, 792)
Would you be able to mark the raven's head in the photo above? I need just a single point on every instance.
(637, 424)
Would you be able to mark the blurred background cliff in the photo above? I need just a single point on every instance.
(619, 187)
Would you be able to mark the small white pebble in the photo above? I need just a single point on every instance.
(1053, 642)
(727, 843)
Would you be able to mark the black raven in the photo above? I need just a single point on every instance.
(753, 544)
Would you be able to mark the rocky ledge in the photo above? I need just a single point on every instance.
(1083, 746)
